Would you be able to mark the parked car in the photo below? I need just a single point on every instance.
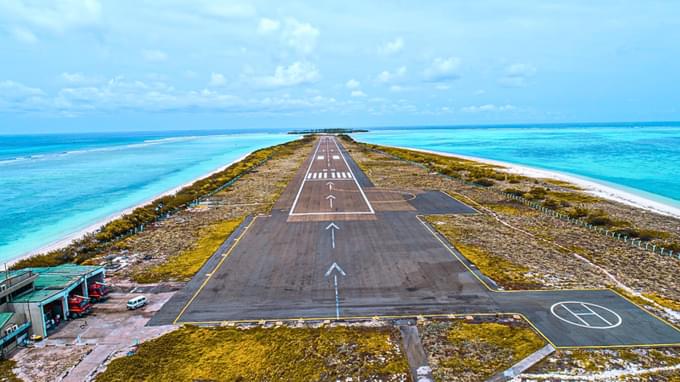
(136, 302)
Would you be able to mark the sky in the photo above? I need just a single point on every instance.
(89, 65)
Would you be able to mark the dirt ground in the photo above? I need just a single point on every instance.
(79, 347)
(551, 248)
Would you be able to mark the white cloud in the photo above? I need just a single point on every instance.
(217, 79)
(443, 69)
(78, 78)
(487, 108)
(24, 35)
(300, 36)
(295, 74)
(120, 93)
(392, 47)
(267, 25)
(154, 55)
(55, 16)
(358, 93)
(387, 76)
(353, 84)
(15, 96)
(517, 75)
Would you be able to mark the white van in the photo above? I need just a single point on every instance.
(136, 302)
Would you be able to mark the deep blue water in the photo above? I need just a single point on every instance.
(642, 157)
(56, 185)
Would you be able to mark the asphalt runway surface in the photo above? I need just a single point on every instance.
(336, 247)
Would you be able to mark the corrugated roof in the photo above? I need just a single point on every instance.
(37, 296)
(4, 317)
(14, 273)
(52, 281)
(67, 269)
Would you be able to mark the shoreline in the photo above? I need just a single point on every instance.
(590, 186)
(68, 239)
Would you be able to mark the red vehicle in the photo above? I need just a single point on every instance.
(98, 291)
(79, 305)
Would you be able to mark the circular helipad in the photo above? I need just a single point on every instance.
(586, 315)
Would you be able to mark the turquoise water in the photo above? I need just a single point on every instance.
(638, 157)
(56, 185)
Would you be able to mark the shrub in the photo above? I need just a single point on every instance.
(577, 212)
(599, 218)
(551, 203)
(484, 182)
(650, 234)
(627, 231)
(514, 191)
(536, 193)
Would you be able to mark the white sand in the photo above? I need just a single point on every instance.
(593, 187)
(65, 241)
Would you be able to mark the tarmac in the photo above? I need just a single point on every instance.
(337, 248)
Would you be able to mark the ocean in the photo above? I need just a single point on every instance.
(642, 158)
(59, 184)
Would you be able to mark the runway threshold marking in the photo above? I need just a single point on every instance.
(351, 173)
(342, 175)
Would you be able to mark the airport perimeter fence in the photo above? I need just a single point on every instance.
(167, 214)
(634, 242)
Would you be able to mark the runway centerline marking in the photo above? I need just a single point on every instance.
(323, 175)
(336, 267)
(332, 227)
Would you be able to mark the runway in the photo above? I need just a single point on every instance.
(336, 247)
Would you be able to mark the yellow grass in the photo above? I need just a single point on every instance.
(183, 266)
(275, 354)
(496, 347)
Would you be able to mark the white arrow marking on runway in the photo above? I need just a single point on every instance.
(336, 267)
(332, 227)
(330, 185)
(330, 198)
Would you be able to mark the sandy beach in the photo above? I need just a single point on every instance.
(590, 186)
(65, 241)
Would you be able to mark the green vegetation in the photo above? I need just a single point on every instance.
(185, 265)
(277, 354)
(562, 184)
(484, 349)
(484, 182)
(6, 373)
(328, 131)
(93, 244)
